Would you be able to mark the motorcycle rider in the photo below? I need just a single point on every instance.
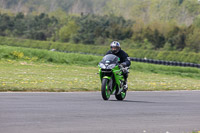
(124, 60)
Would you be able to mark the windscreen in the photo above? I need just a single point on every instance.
(110, 59)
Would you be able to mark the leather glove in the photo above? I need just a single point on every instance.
(123, 64)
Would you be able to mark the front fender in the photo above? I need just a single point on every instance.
(106, 77)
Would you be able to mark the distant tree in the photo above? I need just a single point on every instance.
(193, 40)
(67, 31)
(148, 35)
(93, 27)
(196, 22)
(6, 24)
(176, 38)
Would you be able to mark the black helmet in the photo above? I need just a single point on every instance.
(115, 47)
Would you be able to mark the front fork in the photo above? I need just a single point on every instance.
(111, 86)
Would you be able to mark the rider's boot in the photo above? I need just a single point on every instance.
(125, 87)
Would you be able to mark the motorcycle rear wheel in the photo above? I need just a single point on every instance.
(105, 92)
(121, 96)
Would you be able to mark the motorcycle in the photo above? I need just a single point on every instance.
(112, 79)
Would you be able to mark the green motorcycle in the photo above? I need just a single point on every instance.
(112, 79)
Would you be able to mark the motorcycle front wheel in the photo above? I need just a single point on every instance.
(105, 92)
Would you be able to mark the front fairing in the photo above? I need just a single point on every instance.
(110, 59)
(109, 69)
(107, 66)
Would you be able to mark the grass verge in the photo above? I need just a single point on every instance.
(45, 56)
(26, 69)
(38, 55)
(36, 76)
(94, 49)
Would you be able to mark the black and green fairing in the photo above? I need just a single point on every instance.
(110, 71)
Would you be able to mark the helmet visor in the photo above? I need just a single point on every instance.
(114, 49)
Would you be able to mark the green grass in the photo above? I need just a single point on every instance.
(167, 70)
(38, 55)
(34, 76)
(45, 56)
(25, 69)
(23, 76)
(102, 49)
(196, 132)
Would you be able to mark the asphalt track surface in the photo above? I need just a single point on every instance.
(86, 112)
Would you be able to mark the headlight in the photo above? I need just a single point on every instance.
(101, 65)
(111, 66)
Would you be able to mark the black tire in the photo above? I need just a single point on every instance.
(105, 92)
(121, 96)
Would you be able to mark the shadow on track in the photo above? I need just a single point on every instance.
(131, 101)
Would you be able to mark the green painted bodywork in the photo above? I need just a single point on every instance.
(118, 77)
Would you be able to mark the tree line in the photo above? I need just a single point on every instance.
(38, 27)
(101, 30)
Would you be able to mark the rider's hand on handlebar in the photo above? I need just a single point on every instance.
(123, 64)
